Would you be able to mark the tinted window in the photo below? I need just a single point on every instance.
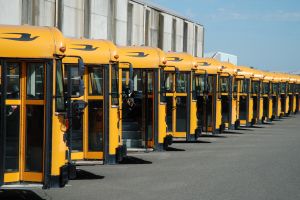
(224, 84)
(169, 85)
(60, 100)
(95, 80)
(13, 81)
(35, 81)
(181, 82)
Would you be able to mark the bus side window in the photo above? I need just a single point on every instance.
(59, 92)
(169, 85)
(13, 81)
(115, 85)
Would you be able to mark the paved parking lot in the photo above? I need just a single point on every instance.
(253, 163)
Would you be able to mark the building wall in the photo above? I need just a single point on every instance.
(179, 35)
(167, 32)
(14, 17)
(108, 19)
(46, 13)
(99, 13)
(154, 28)
(137, 36)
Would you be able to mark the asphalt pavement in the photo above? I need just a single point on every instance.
(261, 163)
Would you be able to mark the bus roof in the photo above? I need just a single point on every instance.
(142, 57)
(268, 76)
(30, 41)
(229, 68)
(91, 51)
(213, 66)
(208, 65)
(244, 71)
(182, 61)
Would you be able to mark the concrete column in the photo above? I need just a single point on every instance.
(154, 25)
(200, 41)
(121, 22)
(190, 38)
(99, 19)
(47, 13)
(167, 41)
(179, 35)
(138, 25)
(73, 18)
(87, 19)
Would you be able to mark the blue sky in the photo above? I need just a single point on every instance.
(263, 33)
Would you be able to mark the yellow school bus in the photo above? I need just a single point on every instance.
(255, 98)
(297, 94)
(291, 90)
(142, 109)
(212, 110)
(227, 95)
(181, 107)
(204, 87)
(267, 95)
(242, 78)
(95, 134)
(284, 82)
(276, 100)
(33, 136)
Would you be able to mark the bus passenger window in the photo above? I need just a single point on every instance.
(181, 82)
(137, 81)
(210, 80)
(168, 82)
(255, 87)
(199, 84)
(149, 82)
(245, 85)
(266, 89)
(35, 81)
(95, 80)
(283, 87)
(75, 79)
(235, 86)
(224, 84)
(13, 81)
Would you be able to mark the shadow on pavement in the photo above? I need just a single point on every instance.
(193, 142)
(232, 132)
(268, 123)
(255, 126)
(133, 160)
(19, 194)
(213, 136)
(244, 129)
(85, 175)
(174, 149)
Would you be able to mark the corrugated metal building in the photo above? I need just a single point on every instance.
(126, 22)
